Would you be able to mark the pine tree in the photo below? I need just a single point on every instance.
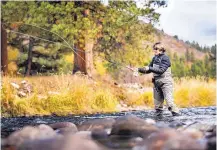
(192, 57)
(187, 55)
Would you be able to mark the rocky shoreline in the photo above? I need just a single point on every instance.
(132, 130)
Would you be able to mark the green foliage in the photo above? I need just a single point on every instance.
(192, 57)
(189, 66)
(187, 55)
(213, 50)
(116, 28)
(176, 37)
(201, 48)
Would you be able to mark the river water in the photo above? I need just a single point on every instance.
(202, 115)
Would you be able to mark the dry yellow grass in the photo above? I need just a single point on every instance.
(67, 94)
(71, 95)
(138, 99)
(195, 92)
(188, 92)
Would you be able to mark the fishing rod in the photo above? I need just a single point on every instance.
(120, 65)
(53, 33)
(68, 45)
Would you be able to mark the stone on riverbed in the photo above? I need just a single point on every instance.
(64, 127)
(95, 124)
(58, 125)
(202, 126)
(170, 139)
(183, 142)
(211, 144)
(122, 133)
(131, 126)
(29, 133)
(70, 142)
(66, 130)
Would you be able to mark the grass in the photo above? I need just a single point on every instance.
(67, 94)
(136, 99)
(77, 95)
(195, 92)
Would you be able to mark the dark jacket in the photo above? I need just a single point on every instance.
(162, 60)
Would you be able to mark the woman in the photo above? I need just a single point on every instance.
(160, 66)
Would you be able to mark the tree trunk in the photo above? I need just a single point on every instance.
(4, 52)
(79, 60)
(29, 61)
(89, 43)
(83, 58)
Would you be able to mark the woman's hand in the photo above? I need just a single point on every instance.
(144, 69)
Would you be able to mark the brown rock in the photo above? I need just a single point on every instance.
(211, 132)
(99, 134)
(30, 133)
(202, 127)
(193, 133)
(132, 126)
(63, 125)
(66, 130)
(157, 140)
(83, 135)
(96, 124)
(170, 139)
(72, 142)
(44, 127)
(183, 142)
(211, 144)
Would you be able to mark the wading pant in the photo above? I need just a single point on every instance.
(163, 90)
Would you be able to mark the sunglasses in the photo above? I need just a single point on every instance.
(155, 48)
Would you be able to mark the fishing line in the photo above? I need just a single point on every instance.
(53, 33)
(72, 48)
(34, 37)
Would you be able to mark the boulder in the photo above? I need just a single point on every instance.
(211, 144)
(29, 133)
(70, 142)
(131, 126)
(193, 133)
(170, 139)
(63, 125)
(183, 142)
(66, 130)
(96, 123)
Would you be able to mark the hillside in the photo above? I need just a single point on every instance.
(174, 45)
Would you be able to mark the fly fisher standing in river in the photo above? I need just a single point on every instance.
(162, 79)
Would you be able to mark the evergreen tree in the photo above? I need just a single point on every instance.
(84, 24)
(187, 55)
(192, 57)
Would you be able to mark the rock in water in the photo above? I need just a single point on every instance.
(71, 142)
(62, 125)
(211, 144)
(96, 123)
(29, 133)
(131, 126)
